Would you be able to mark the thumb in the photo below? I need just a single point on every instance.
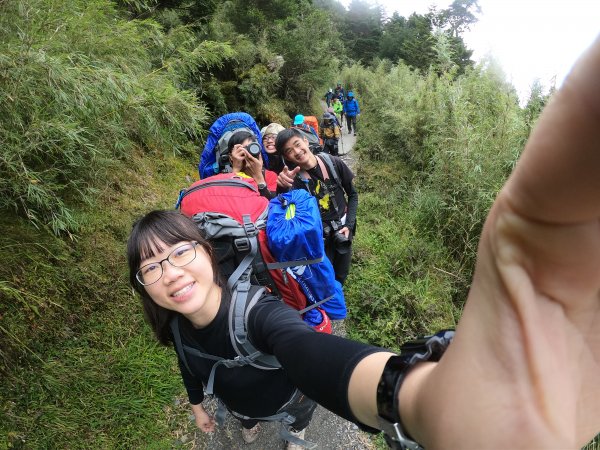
(295, 170)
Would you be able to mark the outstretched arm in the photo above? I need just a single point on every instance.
(523, 369)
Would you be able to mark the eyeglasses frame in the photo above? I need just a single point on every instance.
(160, 264)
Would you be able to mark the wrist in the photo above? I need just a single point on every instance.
(391, 384)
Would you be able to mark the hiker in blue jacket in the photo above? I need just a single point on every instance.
(351, 111)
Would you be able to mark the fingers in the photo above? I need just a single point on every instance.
(208, 427)
(558, 177)
(285, 178)
(345, 231)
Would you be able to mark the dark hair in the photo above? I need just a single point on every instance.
(284, 136)
(148, 235)
(239, 137)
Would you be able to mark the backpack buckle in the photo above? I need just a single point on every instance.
(242, 244)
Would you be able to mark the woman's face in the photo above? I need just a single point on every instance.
(189, 290)
(269, 143)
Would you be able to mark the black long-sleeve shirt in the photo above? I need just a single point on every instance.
(318, 364)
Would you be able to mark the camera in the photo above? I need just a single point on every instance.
(253, 148)
(342, 243)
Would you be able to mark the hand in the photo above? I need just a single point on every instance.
(238, 158)
(204, 421)
(523, 369)
(253, 167)
(285, 179)
(345, 231)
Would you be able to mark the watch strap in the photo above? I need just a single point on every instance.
(427, 348)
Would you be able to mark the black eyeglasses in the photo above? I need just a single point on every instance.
(179, 257)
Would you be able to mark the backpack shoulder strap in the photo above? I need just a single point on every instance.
(324, 157)
(182, 349)
(244, 297)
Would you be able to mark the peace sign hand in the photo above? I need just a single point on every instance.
(285, 179)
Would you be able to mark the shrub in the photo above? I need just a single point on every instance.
(77, 92)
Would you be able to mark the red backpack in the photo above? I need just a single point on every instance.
(232, 216)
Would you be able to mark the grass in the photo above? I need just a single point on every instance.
(80, 368)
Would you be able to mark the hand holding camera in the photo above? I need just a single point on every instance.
(340, 234)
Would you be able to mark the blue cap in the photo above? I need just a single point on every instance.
(298, 119)
(350, 94)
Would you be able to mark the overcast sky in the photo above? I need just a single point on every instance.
(529, 38)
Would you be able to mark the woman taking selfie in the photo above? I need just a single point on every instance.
(172, 269)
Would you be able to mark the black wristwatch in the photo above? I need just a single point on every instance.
(261, 186)
(426, 348)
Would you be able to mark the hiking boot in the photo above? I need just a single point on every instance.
(355, 134)
(299, 435)
(250, 435)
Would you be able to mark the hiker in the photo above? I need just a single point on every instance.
(173, 270)
(245, 164)
(214, 158)
(351, 111)
(329, 180)
(328, 96)
(300, 123)
(339, 92)
(338, 109)
(330, 133)
(269, 134)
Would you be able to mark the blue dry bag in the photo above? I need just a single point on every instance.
(295, 233)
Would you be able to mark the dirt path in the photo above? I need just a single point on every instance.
(327, 430)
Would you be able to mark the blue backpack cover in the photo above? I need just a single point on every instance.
(208, 164)
(295, 233)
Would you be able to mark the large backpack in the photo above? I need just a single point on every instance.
(295, 237)
(232, 216)
(313, 122)
(214, 158)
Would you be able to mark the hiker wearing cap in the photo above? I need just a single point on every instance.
(330, 133)
(351, 111)
(329, 180)
(269, 134)
(299, 123)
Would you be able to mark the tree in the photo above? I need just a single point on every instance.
(459, 16)
(362, 30)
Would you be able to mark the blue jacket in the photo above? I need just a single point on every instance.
(351, 108)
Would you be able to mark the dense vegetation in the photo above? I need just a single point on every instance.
(104, 106)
